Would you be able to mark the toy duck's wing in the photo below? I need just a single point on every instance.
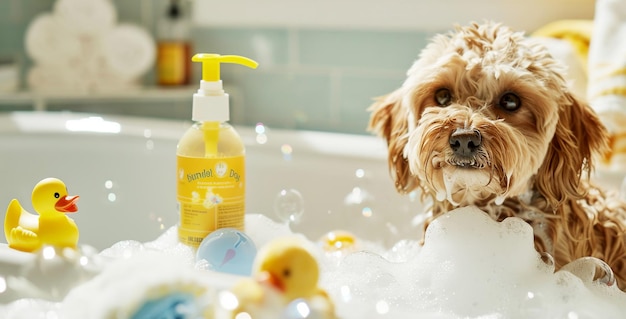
(18, 216)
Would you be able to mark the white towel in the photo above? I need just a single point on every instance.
(56, 80)
(49, 43)
(607, 64)
(86, 17)
(129, 51)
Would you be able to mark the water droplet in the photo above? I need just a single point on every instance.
(261, 138)
(367, 212)
(382, 307)
(287, 151)
(108, 184)
(150, 145)
(499, 200)
(259, 128)
(441, 196)
(289, 205)
(360, 173)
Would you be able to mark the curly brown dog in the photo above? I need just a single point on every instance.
(485, 118)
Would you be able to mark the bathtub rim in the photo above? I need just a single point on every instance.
(358, 146)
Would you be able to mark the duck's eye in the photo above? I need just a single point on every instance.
(286, 273)
(443, 97)
(510, 102)
(57, 195)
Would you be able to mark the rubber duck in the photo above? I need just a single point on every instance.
(284, 270)
(28, 232)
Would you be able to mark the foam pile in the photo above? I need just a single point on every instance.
(469, 267)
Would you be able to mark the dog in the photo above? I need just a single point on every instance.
(485, 118)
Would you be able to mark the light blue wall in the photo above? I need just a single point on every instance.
(316, 79)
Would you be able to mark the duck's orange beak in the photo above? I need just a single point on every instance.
(67, 204)
(272, 280)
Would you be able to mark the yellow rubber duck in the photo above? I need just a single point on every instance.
(283, 271)
(27, 232)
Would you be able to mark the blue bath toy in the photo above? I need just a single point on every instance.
(228, 250)
(176, 305)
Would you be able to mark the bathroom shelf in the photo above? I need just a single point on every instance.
(40, 101)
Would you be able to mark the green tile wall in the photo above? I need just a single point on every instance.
(313, 79)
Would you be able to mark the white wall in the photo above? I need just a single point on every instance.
(428, 15)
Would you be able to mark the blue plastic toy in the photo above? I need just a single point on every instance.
(228, 250)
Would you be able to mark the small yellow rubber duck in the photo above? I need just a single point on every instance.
(283, 271)
(27, 232)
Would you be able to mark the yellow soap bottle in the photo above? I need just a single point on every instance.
(210, 159)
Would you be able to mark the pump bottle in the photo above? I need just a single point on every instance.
(210, 159)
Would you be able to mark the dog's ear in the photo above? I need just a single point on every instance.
(579, 138)
(389, 119)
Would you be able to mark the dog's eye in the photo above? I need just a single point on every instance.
(443, 97)
(510, 102)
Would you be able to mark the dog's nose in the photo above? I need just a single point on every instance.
(464, 142)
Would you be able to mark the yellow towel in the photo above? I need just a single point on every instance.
(600, 47)
(576, 32)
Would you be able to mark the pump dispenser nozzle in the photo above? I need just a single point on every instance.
(210, 103)
(211, 64)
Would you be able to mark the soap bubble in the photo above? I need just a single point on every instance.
(301, 309)
(359, 173)
(289, 205)
(287, 151)
(228, 250)
(591, 269)
(259, 128)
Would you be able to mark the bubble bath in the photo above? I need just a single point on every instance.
(469, 267)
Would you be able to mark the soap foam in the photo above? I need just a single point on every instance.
(470, 266)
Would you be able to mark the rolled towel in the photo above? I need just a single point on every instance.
(86, 17)
(49, 43)
(129, 51)
(56, 79)
(607, 74)
(607, 61)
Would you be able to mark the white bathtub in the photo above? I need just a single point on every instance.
(125, 176)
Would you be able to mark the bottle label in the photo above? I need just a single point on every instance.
(210, 194)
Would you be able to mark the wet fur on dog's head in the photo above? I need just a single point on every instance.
(485, 115)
